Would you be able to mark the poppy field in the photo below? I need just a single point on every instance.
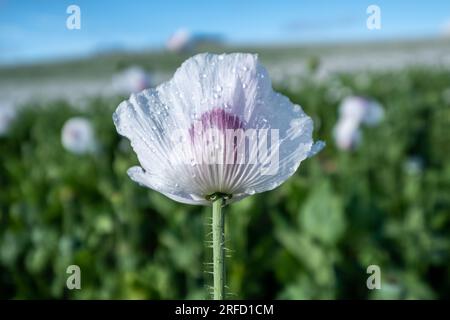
(384, 202)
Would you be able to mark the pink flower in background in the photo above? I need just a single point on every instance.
(180, 41)
(188, 132)
(361, 110)
(77, 136)
(347, 134)
(133, 79)
(354, 112)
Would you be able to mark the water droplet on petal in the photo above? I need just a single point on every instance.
(250, 191)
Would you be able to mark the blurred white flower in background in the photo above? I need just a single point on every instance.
(355, 111)
(77, 136)
(131, 80)
(347, 134)
(361, 110)
(180, 41)
(7, 116)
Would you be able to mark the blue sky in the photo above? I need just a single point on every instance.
(33, 30)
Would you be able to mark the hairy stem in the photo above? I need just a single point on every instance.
(218, 231)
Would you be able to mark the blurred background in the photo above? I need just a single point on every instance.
(375, 79)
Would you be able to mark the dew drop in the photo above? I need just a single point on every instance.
(250, 191)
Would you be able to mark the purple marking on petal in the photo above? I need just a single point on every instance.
(222, 123)
(217, 118)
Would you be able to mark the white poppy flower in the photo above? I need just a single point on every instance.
(77, 136)
(208, 130)
(347, 134)
(133, 79)
(361, 110)
(7, 116)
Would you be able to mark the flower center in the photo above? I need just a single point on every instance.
(217, 144)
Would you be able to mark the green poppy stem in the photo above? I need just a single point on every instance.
(218, 232)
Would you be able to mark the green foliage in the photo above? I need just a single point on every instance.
(313, 237)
